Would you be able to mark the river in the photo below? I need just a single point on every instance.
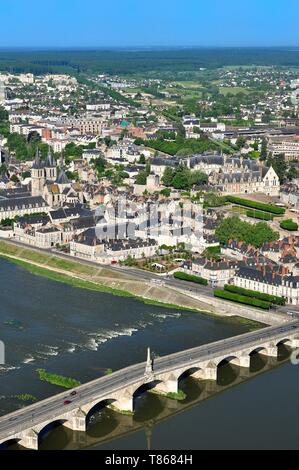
(80, 334)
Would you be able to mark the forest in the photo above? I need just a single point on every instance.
(143, 62)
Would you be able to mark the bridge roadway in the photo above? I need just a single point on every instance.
(14, 425)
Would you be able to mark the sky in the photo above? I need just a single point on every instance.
(102, 23)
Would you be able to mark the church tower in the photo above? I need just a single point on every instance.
(50, 167)
(37, 176)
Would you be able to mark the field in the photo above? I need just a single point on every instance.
(233, 90)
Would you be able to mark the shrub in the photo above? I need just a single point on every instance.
(191, 278)
(256, 205)
(257, 295)
(289, 225)
(259, 215)
(242, 299)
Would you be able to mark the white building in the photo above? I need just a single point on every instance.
(269, 282)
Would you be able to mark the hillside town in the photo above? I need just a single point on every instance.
(152, 175)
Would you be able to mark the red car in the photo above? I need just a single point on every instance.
(67, 402)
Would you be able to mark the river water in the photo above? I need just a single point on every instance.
(80, 334)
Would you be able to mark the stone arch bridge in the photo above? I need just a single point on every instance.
(119, 389)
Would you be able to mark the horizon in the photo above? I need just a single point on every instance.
(132, 48)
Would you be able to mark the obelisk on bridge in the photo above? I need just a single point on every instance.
(149, 370)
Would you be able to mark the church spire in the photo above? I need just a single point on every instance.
(37, 160)
(50, 159)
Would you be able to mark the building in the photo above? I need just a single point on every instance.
(41, 173)
(269, 281)
(2, 93)
(55, 187)
(216, 273)
(264, 180)
(11, 208)
(88, 245)
(287, 147)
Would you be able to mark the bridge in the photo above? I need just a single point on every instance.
(119, 389)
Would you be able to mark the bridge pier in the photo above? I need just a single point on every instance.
(244, 361)
(294, 343)
(77, 421)
(210, 373)
(124, 404)
(270, 351)
(29, 440)
(169, 385)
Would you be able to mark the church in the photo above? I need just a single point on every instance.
(51, 182)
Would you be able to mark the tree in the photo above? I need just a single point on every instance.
(232, 228)
(141, 177)
(100, 165)
(165, 192)
(33, 137)
(185, 152)
(138, 141)
(72, 175)
(279, 165)
(14, 179)
(240, 143)
(72, 150)
(198, 178)
(264, 150)
(182, 179)
(293, 173)
(168, 176)
(142, 159)
(3, 114)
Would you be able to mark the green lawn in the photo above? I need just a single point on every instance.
(233, 90)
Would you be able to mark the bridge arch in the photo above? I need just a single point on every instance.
(94, 408)
(196, 372)
(10, 442)
(258, 350)
(48, 428)
(228, 360)
(225, 373)
(145, 387)
(284, 342)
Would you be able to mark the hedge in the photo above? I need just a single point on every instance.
(242, 299)
(256, 205)
(259, 215)
(256, 295)
(289, 225)
(190, 278)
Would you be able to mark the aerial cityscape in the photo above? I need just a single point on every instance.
(149, 229)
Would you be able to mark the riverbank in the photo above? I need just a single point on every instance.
(102, 279)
